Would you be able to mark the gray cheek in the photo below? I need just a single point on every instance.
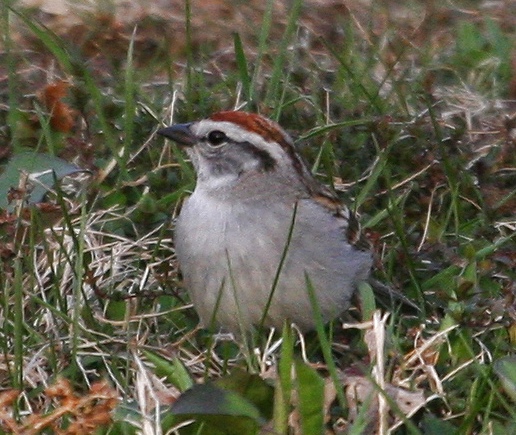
(213, 167)
(221, 167)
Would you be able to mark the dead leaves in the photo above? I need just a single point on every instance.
(382, 404)
(62, 116)
(72, 414)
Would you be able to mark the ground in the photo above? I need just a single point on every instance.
(407, 109)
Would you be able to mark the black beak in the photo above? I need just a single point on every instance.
(179, 133)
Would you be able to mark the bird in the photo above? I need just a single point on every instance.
(260, 234)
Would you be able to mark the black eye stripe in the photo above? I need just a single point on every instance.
(267, 162)
(216, 138)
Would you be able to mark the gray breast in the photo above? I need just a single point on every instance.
(230, 253)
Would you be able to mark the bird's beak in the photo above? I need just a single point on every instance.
(179, 133)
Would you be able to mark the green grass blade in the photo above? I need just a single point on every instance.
(310, 395)
(324, 341)
(283, 390)
(12, 84)
(18, 335)
(372, 180)
(279, 269)
(278, 70)
(243, 71)
(262, 45)
(50, 40)
(189, 85)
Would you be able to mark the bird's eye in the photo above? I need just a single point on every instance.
(216, 137)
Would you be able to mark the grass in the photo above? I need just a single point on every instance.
(410, 116)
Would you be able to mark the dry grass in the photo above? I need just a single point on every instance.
(408, 108)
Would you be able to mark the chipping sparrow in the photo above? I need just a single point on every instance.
(255, 199)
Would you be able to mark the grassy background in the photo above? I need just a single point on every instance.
(406, 109)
